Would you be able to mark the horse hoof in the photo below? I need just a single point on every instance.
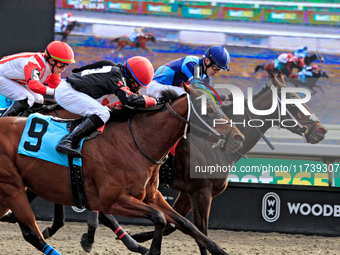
(85, 243)
(46, 233)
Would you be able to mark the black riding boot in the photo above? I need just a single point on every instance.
(16, 108)
(69, 144)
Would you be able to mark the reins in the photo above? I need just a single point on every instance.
(222, 138)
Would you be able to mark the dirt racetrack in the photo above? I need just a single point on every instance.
(66, 241)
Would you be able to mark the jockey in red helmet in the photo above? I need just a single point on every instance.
(34, 70)
(90, 88)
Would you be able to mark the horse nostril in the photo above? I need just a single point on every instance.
(321, 131)
(238, 138)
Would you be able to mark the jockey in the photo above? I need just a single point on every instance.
(22, 75)
(301, 53)
(136, 33)
(309, 72)
(283, 59)
(84, 91)
(65, 20)
(172, 74)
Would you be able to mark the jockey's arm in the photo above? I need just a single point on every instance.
(94, 65)
(32, 76)
(126, 97)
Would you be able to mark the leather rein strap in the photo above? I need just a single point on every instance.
(172, 111)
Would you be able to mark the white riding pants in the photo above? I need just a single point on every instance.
(79, 103)
(155, 88)
(17, 92)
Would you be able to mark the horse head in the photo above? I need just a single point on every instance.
(230, 137)
(150, 37)
(296, 120)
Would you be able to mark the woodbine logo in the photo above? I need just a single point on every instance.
(238, 105)
(271, 206)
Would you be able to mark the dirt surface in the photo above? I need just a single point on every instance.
(66, 241)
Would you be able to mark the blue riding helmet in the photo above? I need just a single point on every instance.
(219, 56)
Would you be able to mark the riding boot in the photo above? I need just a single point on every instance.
(69, 144)
(16, 108)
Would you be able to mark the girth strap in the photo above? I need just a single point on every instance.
(77, 185)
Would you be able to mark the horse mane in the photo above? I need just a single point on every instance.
(125, 113)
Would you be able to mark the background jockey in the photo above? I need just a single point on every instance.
(136, 33)
(23, 75)
(61, 25)
(310, 72)
(282, 60)
(83, 90)
(301, 53)
(172, 74)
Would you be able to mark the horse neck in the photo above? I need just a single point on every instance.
(159, 132)
(251, 134)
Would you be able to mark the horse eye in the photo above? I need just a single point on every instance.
(209, 110)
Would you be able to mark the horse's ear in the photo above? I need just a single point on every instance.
(281, 78)
(186, 88)
(274, 80)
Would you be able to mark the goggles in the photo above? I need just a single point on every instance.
(215, 68)
(61, 65)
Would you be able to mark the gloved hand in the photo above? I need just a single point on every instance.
(161, 100)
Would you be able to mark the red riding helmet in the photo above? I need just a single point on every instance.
(141, 69)
(60, 51)
(69, 15)
(315, 67)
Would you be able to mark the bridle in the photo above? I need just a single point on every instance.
(300, 129)
(209, 131)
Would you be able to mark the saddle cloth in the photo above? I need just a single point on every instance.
(41, 135)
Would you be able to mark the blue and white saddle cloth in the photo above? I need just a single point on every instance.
(41, 135)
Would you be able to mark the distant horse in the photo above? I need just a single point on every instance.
(289, 68)
(65, 33)
(310, 82)
(122, 41)
(196, 194)
(114, 183)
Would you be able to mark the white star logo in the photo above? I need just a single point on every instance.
(271, 211)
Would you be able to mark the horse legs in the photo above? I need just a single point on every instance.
(87, 239)
(130, 207)
(183, 224)
(110, 222)
(201, 204)
(182, 206)
(58, 221)
(17, 201)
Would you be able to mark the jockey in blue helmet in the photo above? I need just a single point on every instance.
(219, 56)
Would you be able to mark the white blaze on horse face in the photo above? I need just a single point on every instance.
(297, 101)
(262, 112)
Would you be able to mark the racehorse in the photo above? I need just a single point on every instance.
(114, 183)
(289, 68)
(310, 81)
(196, 194)
(65, 33)
(122, 41)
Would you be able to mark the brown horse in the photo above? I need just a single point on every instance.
(122, 41)
(68, 30)
(289, 68)
(114, 184)
(196, 194)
